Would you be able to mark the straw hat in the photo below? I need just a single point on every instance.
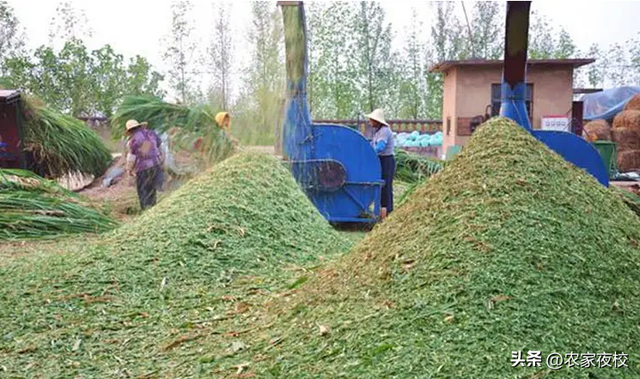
(132, 124)
(378, 115)
(220, 119)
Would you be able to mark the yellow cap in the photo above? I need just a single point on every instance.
(220, 119)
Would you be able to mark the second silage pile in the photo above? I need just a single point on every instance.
(509, 248)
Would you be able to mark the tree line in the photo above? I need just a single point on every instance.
(357, 61)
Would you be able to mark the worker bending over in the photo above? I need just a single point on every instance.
(144, 159)
(383, 145)
(223, 119)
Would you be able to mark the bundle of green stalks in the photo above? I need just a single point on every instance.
(35, 208)
(186, 125)
(58, 144)
(414, 168)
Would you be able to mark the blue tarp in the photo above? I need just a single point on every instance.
(606, 104)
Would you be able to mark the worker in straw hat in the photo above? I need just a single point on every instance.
(223, 119)
(144, 160)
(383, 144)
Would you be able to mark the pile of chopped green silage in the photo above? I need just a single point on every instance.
(145, 300)
(246, 213)
(509, 248)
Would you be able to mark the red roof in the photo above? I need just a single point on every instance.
(447, 65)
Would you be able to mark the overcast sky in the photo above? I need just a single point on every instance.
(137, 26)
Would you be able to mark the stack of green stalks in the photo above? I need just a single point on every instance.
(184, 124)
(58, 144)
(34, 208)
(413, 168)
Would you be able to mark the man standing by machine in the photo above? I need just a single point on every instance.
(145, 159)
(383, 144)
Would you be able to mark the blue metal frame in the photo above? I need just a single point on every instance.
(571, 147)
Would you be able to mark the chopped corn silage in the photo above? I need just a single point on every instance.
(245, 213)
(144, 300)
(509, 248)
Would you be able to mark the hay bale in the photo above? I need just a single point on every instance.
(629, 160)
(597, 130)
(492, 252)
(627, 119)
(633, 104)
(626, 139)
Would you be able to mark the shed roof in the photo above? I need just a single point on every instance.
(7, 96)
(447, 65)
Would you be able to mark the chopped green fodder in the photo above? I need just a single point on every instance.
(246, 213)
(34, 208)
(58, 144)
(509, 248)
(144, 300)
(630, 198)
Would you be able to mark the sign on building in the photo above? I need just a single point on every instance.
(558, 123)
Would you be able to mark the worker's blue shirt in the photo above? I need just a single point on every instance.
(383, 141)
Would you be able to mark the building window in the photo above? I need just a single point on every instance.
(496, 93)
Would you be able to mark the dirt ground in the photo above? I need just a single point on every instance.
(262, 149)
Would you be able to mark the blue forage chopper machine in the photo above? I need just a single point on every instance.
(338, 168)
(334, 164)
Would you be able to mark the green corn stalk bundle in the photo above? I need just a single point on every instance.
(188, 124)
(59, 144)
(34, 208)
(414, 168)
